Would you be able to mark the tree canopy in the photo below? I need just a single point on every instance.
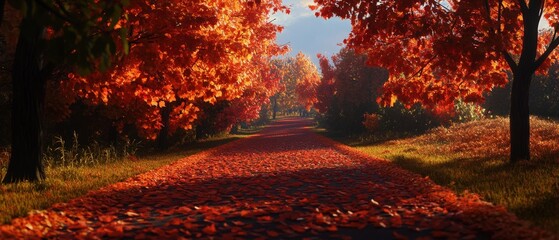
(438, 51)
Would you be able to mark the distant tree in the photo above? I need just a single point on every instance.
(351, 88)
(326, 88)
(285, 100)
(308, 79)
(298, 84)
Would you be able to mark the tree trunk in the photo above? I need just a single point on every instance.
(112, 136)
(27, 108)
(234, 129)
(520, 118)
(274, 107)
(163, 136)
(519, 107)
(2, 3)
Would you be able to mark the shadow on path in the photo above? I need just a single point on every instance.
(286, 182)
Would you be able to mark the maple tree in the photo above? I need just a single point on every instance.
(168, 56)
(325, 90)
(209, 52)
(307, 82)
(300, 79)
(348, 90)
(80, 34)
(438, 51)
(247, 107)
(285, 99)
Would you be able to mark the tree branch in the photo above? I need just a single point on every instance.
(523, 6)
(542, 8)
(54, 11)
(488, 16)
(444, 7)
(2, 3)
(554, 43)
(512, 64)
(420, 71)
(62, 8)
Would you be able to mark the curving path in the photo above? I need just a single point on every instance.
(286, 182)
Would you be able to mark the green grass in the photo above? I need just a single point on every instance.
(67, 182)
(473, 157)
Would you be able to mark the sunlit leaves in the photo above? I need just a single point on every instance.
(183, 54)
(439, 51)
(307, 82)
(299, 82)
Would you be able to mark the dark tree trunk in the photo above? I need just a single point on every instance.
(27, 108)
(234, 129)
(112, 136)
(274, 107)
(520, 118)
(163, 136)
(519, 107)
(2, 3)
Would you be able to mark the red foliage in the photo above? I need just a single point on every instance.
(371, 121)
(326, 89)
(184, 53)
(286, 182)
(307, 81)
(440, 51)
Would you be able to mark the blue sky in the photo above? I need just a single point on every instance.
(311, 35)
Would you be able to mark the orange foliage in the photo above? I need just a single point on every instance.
(299, 81)
(307, 82)
(183, 53)
(439, 51)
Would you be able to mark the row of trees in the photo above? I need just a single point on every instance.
(151, 66)
(349, 90)
(439, 51)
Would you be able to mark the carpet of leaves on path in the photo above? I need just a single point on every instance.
(287, 182)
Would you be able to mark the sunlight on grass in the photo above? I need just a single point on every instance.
(473, 157)
(65, 183)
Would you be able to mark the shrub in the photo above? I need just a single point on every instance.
(371, 122)
(466, 112)
(413, 120)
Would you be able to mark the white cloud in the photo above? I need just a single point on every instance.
(299, 9)
(305, 3)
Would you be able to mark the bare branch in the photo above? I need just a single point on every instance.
(420, 71)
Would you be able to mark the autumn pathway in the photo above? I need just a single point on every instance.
(286, 182)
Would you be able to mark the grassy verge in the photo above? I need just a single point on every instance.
(473, 157)
(65, 183)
